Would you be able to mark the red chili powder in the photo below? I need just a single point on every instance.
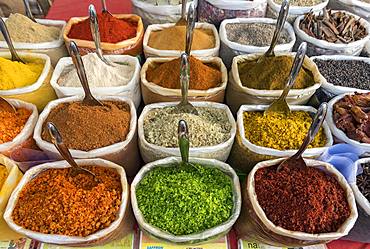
(306, 200)
(111, 29)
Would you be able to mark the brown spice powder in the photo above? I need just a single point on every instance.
(86, 127)
(202, 76)
(55, 203)
(306, 200)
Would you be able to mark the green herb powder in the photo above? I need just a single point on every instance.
(184, 199)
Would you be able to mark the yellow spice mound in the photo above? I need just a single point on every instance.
(15, 74)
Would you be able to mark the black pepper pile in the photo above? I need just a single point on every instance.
(363, 181)
(348, 73)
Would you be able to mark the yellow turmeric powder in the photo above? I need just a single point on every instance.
(3, 175)
(14, 74)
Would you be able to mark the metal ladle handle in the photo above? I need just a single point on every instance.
(283, 14)
(28, 10)
(189, 28)
(183, 8)
(104, 5)
(183, 141)
(77, 61)
(94, 27)
(5, 32)
(184, 77)
(57, 140)
(313, 130)
(296, 67)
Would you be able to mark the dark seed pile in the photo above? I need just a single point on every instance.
(363, 181)
(348, 73)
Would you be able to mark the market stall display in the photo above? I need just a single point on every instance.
(344, 33)
(343, 73)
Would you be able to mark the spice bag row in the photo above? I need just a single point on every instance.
(267, 219)
(106, 215)
(127, 37)
(29, 82)
(43, 37)
(121, 80)
(211, 132)
(262, 138)
(107, 132)
(160, 80)
(252, 35)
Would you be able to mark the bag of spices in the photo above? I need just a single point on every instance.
(252, 35)
(211, 133)
(43, 37)
(243, 82)
(348, 119)
(330, 43)
(29, 82)
(215, 11)
(95, 214)
(358, 7)
(260, 137)
(361, 190)
(275, 209)
(296, 8)
(16, 129)
(107, 132)
(10, 175)
(181, 198)
(120, 34)
(168, 40)
(343, 73)
(160, 80)
(155, 12)
(121, 80)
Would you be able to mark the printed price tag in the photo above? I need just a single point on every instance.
(243, 244)
(147, 242)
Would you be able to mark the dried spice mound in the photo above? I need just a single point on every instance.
(202, 76)
(272, 74)
(11, 124)
(351, 115)
(306, 200)
(280, 132)
(185, 199)
(86, 127)
(112, 29)
(363, 181)
(3, 175)
(335, 27)
(210, 127)
(55, 203)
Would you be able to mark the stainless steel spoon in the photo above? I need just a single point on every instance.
(94, 26)
(189, 29)
(77, 61)
(280, 105)
(283, 14)
(57, 140)
(183, 141)
(6, 106)
(105, 9)
(185, 106)
(5, 32)
(28, 10)
(317, 122)
(182, 20)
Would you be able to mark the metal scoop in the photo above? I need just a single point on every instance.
(6, 106)
(317, 122)
(182, 20)
(94, 26)
(190, 28)
(57, 140)
(105, 9)
(28, 10)
(77, 61)
(283, 14)
(280, 105)
(185, 106)
(6, 35)
(183, 141)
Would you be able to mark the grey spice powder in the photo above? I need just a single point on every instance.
(210, 127)
(254, 34)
